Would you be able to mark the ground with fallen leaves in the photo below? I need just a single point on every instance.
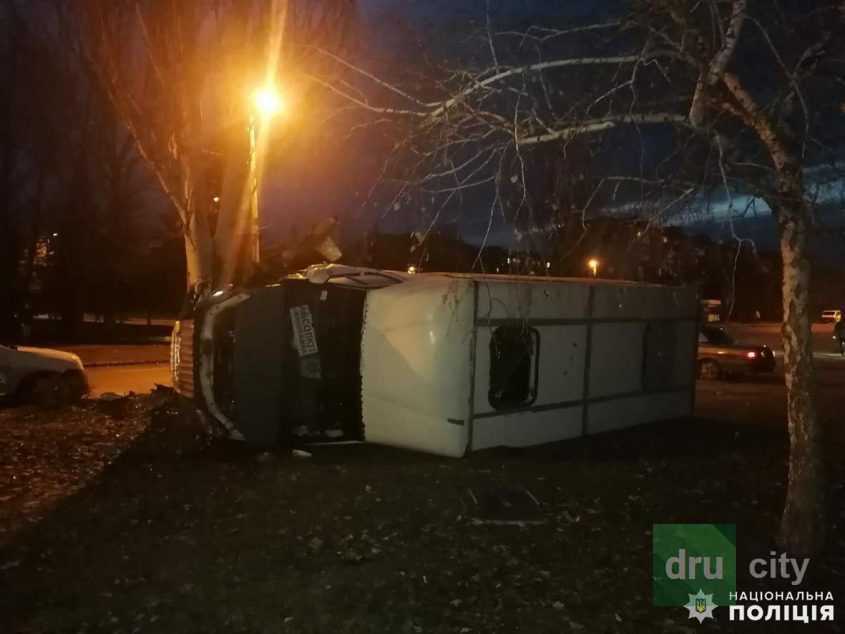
(123, 517)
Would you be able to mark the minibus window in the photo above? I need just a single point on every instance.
(513, 367)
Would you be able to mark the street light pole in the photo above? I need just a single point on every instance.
(267, 103)
(252, 183)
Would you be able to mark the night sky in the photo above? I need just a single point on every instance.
(296, 192)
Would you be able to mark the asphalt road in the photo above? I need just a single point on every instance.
(119, 354)
(769, 334)
(121, 379)
(761, 399)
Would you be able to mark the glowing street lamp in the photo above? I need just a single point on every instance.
(593, 265)
(268, 102)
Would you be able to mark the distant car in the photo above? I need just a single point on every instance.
(719, 355)
(834, 314)
(42, 375)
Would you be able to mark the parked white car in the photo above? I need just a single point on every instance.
(40, 374)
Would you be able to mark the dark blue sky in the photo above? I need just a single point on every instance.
(294, 199)
(437, 10)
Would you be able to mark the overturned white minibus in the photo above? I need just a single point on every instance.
(443, 363)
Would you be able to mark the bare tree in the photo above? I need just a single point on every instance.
(13, 147)
(676, 106)
(179, 75)
(34, 156)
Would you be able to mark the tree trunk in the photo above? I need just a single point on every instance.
(199, 251)
(230, 238)
(199, 245)
(34, 235)
(803, 525)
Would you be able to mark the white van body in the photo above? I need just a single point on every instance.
(610, 355)
(451, 363)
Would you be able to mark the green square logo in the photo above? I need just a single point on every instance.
(688, 558)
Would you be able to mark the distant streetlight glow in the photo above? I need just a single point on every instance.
(593, 265)
(268, 102)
